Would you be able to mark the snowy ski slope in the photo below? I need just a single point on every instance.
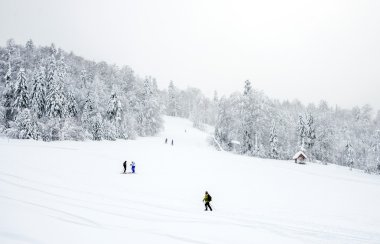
(74, 192)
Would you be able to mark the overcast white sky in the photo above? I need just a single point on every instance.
(309, 50)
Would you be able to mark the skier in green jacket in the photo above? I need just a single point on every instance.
(207, 199)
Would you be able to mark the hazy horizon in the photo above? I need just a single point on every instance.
(295, 50)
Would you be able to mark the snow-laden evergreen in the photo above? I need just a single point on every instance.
(21, 96)
(310, 132)
(249, 117)
(97, 128)
(114, 110)
(55, 98)
(88, 113)
(349, 155)
(71, 105)
(8, 97)
(172, 103)
(149, 122)
(38, 93)
(273, 141)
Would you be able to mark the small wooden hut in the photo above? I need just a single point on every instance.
(300, 157)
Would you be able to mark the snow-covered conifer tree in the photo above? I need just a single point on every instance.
(8, 96)
(302, 132)
(114, 109)
(113, 124)
(84, 77)
(21, 96)
(29, 59)
(349, 155)
(51, 72)
(72, 106)
(172, 107)
(38, 93)
(55, 98)
(323, 144)
(8, 74)
(273, 141)
(97, 128)
(61, 70)
(249, 116)
(310, 132)
(213, 110)
(53, 49)
(150, 121)
(224, 123)
(88, 113)
(30, 45)
(11, 48)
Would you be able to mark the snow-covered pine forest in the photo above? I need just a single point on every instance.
(272, 129)
(49, 94)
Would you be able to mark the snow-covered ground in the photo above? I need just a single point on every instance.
(74, 192)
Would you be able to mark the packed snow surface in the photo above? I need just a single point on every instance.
(74, 192)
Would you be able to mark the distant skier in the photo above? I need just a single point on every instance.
(207, 199)
(172, 142)
(125, 166)
(133, 167)
(166, 141)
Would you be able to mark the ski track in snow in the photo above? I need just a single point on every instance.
(73, 192)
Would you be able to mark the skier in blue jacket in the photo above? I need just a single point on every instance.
(133, 167)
